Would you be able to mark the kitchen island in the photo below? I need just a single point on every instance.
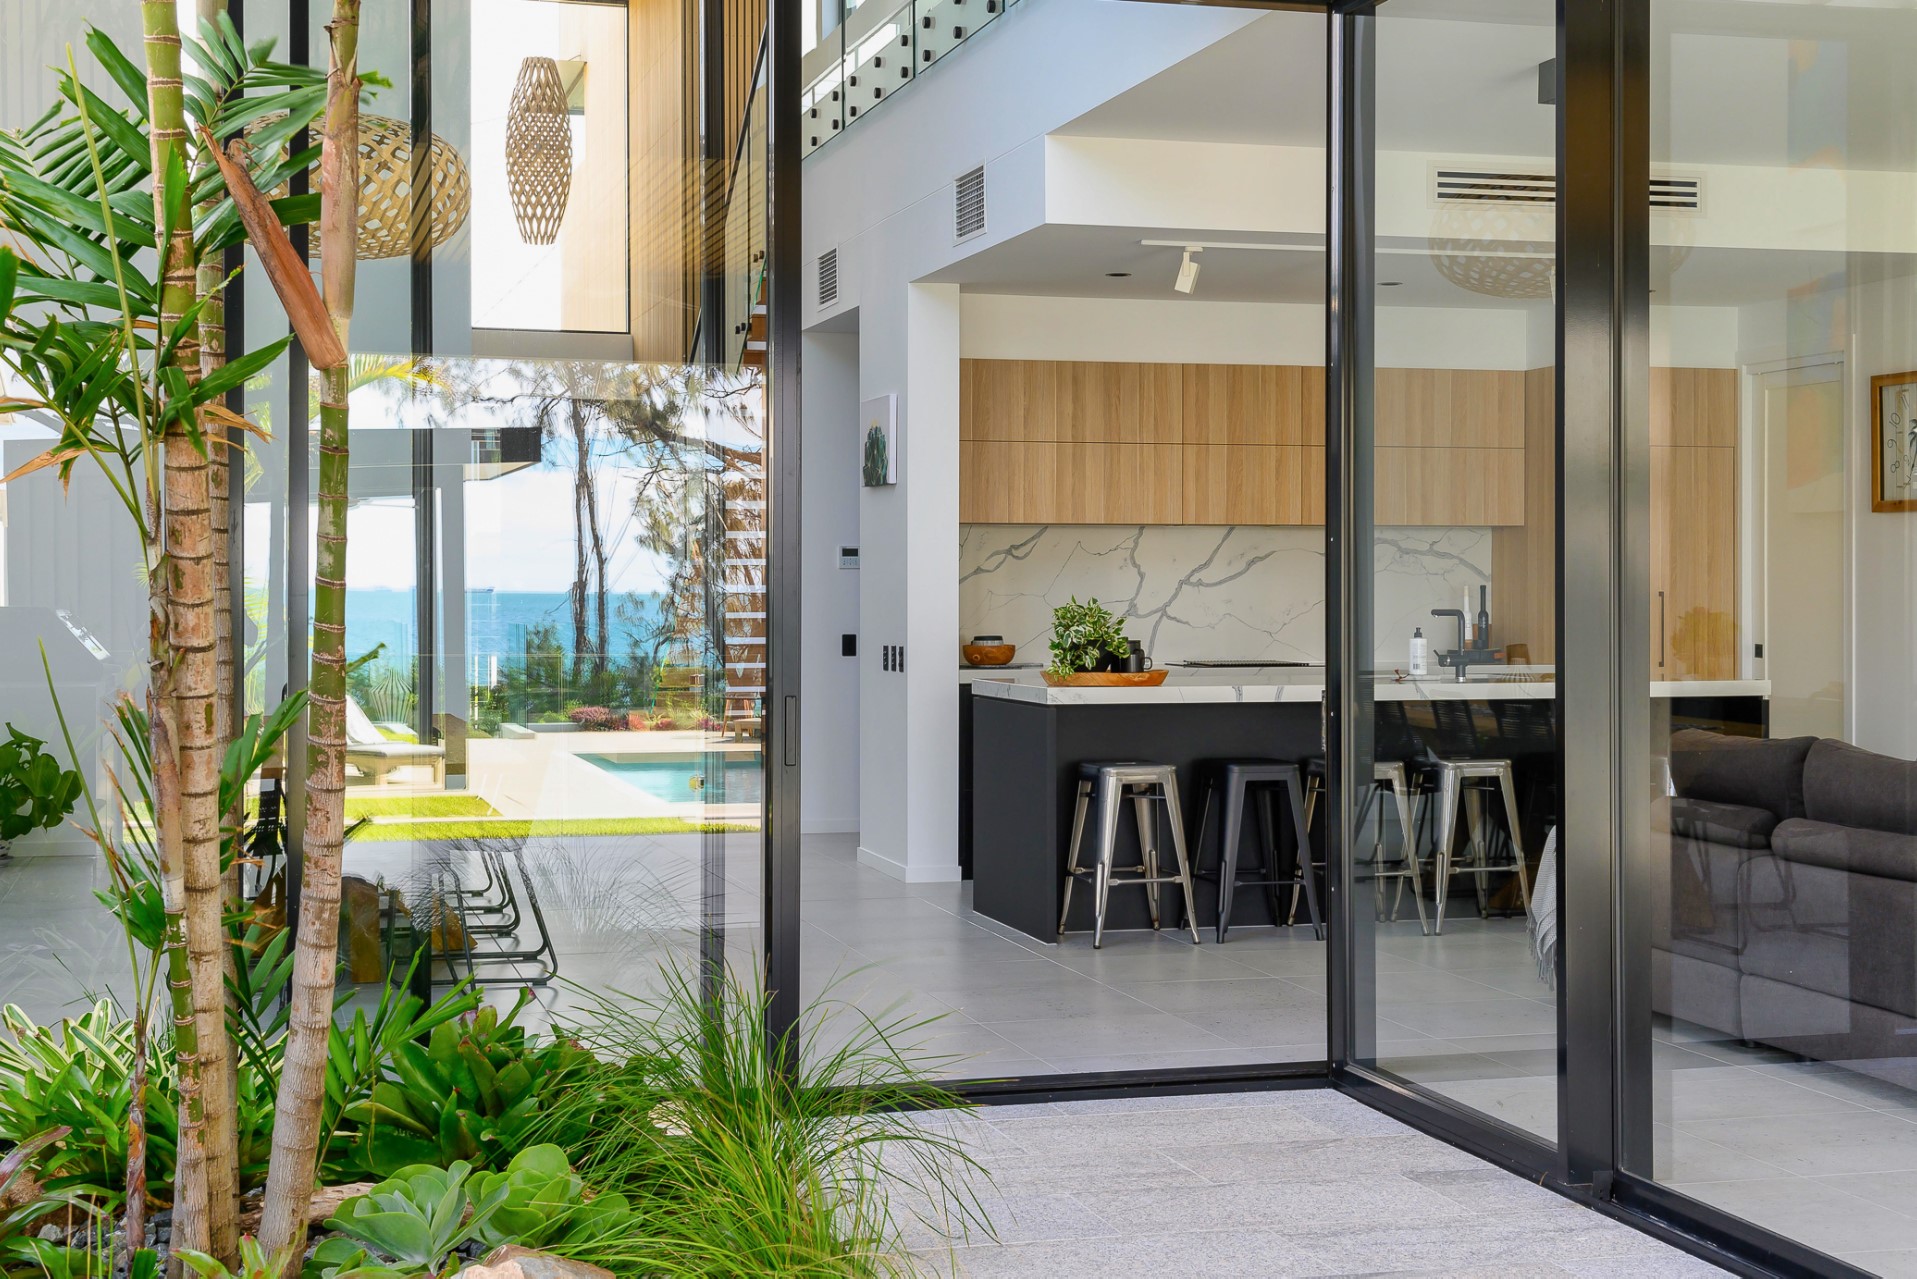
(1027, 739)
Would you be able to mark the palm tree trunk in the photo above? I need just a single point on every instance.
(296, 1126)
(223, 1133)
(181, 660)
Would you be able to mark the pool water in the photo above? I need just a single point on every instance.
(680, 779)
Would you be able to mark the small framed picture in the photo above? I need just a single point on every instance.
(1893, 442)
(879, 441)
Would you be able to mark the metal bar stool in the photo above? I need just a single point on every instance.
(1146, 785)
(1262, 779)
(1389, 775)
(1463, 781)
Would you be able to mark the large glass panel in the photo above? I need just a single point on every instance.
(1103, 375)
(556, 563)
(1455, 782)
(1778, 920)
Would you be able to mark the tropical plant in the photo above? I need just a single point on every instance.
(410, 1224)
(749, 1156)
(25, 1204)
(114, 355)
(472, 1093)
(254, 1264)
(1084, 636)
(323, 318)
(35, 792)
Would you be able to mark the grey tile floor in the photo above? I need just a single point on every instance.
(1825, 1152)
(1286, 1183)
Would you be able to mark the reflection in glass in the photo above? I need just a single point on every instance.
(1777, 1079)
(1456, 793)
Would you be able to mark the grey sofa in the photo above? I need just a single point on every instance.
(1786, 910)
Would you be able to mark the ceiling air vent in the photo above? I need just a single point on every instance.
(968, 204)
(1538, 188)
(1478, 186)
(828, 278)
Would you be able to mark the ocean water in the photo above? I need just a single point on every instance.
(497, 623)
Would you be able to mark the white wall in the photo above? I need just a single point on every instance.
(828, 682)
(1872, 326)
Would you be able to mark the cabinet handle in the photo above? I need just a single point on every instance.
(1661, 632)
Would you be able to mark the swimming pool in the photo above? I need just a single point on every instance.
(680, 779)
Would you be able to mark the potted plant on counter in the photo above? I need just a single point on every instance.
(1089, 647)
(35, 792)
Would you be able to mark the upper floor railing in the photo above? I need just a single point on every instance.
(876, 52)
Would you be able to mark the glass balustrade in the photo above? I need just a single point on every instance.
(875, 53)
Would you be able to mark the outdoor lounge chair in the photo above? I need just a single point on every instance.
(373, 755)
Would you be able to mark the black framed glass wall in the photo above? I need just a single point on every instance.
(1772, 905)
(1451, 789)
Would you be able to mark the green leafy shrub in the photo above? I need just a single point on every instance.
(1084, 636)
(25, 1205)
(409, 1224)
(545, 1207)
(739, 1164)
(35, 792)
(472, 1093)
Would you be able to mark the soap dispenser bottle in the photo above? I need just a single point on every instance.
(1419, 647)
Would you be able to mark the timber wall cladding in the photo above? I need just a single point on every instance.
(1086, 442)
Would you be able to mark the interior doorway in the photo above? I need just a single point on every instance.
(1801, 512)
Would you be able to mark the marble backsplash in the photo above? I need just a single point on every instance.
(1210, 591)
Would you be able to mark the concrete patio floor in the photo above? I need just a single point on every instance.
(1296, 1183)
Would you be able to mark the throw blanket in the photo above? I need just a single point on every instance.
(1544, 912)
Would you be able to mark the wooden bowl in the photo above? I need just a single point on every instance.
(1107, 679)
(987, 654)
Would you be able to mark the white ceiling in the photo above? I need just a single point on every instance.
(1756, 82)
(1734, 82)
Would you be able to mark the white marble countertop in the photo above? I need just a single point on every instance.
(1307, 684)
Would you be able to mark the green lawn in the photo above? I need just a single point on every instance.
(418, 806)
(521, 828)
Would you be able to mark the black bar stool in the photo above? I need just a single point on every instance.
(1262, 779)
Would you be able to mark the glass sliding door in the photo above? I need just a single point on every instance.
(1152, 347)
(1773, 902)
(1452, 782)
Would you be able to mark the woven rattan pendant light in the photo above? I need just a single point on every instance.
(386, 187)
(539, 151)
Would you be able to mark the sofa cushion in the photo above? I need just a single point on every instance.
(1847, 848)
(1734, 825)
(1849, 786)
(1754, 772)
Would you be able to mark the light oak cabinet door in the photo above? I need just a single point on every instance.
(1693, 562)
(1064, 442)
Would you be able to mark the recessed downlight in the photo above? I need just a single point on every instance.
(1389, 284)
(1118, 275)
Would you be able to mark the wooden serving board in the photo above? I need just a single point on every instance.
(1107, 679)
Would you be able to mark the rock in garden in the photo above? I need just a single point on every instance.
(515, 1262)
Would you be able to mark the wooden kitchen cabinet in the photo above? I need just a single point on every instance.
(1084, 442)
(1693, 562)
(1693, 527)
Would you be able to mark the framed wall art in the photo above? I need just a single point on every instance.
(879, 441)
(1893, 442)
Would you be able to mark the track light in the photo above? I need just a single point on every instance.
(1187, 272)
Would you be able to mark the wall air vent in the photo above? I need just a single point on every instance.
(828, 278)
(1539, 188)
(1677, 193)
(968, 204)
